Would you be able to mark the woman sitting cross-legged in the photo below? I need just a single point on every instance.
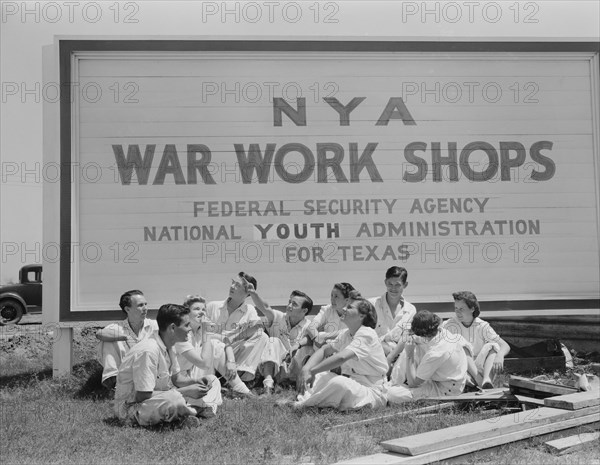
(358, 351)
(489, 349)
(433, 363)
(200, 356)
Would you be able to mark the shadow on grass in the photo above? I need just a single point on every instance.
(12, 381)
(89, 372)
(92, 387)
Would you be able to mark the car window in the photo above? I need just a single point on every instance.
(34, 277)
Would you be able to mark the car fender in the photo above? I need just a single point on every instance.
(13, 295)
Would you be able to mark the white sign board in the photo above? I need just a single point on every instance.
(304, 168)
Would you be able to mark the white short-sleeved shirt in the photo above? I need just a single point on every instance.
(280, 328)
(443, 360)
(386, 322)
(149, 327)
(217, 313)
(479, 333)
(194, 341)
(370, 362)
(326, 322)
(147, 367)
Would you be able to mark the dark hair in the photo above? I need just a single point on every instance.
(365, 308)
(469, 298)
(344, 288)
(170, 313)
(425, 323)
(249, 278)
(125, 300)
(397, 272)
(307, 302)
(192, 299)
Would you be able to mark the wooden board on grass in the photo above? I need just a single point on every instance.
(413, 412)
(540, 386)
(391, 458)
(574, 401)
(484, 429)
(530, 401)
(488, 394)
(572, 443)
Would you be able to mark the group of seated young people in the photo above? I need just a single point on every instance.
(354, 353)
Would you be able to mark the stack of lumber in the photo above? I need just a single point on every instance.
(574, 409)
(574, 401)
(538, 389)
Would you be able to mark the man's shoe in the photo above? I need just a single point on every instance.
(190, 422)
(206, 412)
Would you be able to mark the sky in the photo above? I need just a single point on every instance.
(26, 27)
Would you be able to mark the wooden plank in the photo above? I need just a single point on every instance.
(417, 411)
(391, 458)
(489, 394)
(574, 401)
(490, 428)
(540, 386)
(530, 400)
(572, 443)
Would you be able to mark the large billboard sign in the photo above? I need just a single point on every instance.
(474, 166)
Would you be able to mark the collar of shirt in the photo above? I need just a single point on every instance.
(243, 307)
(298, 325)
(127, 326)
(163, 348)
(385, 302)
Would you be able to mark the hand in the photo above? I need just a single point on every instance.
(304, 381)
(248, 286)
(195, 391)
(498, 365)
(231, 370)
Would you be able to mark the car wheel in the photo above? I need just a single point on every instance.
(11, 311)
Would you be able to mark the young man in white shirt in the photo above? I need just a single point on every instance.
(394, 313)
(116, 339)
(150, 386)
(236, 323)
(289, 345)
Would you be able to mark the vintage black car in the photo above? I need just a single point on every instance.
(24, 297)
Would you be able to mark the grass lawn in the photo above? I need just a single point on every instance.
(70, 420)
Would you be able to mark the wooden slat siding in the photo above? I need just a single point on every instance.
(570, 444)
(483, 430)
(546, 330)
(171, 110)
(534, 364)
(479, 444)
(574, 401)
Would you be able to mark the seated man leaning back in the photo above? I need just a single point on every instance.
(236, 323)
(116, 339)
